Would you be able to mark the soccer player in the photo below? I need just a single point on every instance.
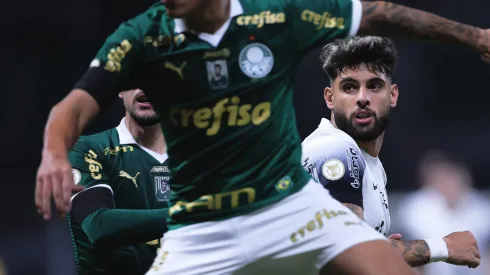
(240, 197)
(119, 216)
(342, 154)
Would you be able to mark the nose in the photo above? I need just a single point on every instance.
(363, 97)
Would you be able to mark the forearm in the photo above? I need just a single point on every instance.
(388, 19)
(415, 252)
(67, 120)
(125, 227)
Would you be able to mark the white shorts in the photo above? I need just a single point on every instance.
(297, 235)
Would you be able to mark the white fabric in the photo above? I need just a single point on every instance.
(125, 137)
(356, 17)
(438, 249)
(327, 138)
(213, 39)
(262, 242)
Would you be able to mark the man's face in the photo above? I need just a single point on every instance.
(217, 71)
(182, 8)
(139, 108)
(360, 101)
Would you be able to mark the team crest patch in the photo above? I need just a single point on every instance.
(256, 60)
(162, 188)
(333, 169)
(217, 74)
(77, 176)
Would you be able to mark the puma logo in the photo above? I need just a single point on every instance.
(126, 175)
(176, 69)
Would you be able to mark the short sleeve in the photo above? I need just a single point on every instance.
(109, 72)
(338, 165)
(87, 166)
(88, 170)
(321, 21)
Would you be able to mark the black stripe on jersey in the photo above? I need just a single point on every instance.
(90, 200)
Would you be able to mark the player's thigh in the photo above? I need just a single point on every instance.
(206, 248)
(303, 232)
(368, 258)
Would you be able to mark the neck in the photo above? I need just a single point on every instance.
(209, 19)
(372, 147)
(150, 137)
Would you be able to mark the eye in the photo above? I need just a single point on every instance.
(349, 87)
(374, 86)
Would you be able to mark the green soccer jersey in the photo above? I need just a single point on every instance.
(138, 179)
(226, 100)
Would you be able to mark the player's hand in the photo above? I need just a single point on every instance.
(484, 44)
(463, 249)
(54, 179)
(395, 236)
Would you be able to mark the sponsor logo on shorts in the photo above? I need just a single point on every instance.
(333, 169)
(317, 223)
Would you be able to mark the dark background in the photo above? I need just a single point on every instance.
(47, 45)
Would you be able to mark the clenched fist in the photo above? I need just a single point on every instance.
(54, 179)
(463, 249)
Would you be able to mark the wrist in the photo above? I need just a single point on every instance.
(438, 250)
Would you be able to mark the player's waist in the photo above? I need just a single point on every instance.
(232, 202)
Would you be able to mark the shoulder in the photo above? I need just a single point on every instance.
(145, 22)
(96, 142)
(329, 140)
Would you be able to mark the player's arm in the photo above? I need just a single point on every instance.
(106, 77)
(339, 167)
(93, 208)
(385, 18)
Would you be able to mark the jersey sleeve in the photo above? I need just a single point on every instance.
(338, 166)
(88, 170)
(320, 21)
(109, 73)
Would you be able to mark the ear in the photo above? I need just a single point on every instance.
(328, 95)
(394, 95)
(120, 95)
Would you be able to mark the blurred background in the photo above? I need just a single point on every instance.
(436, 152)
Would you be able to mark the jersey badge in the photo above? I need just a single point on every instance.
(77, 176)
(256, 60)
(162, 188)
(126, 175)
(333, 169)
(217, 74)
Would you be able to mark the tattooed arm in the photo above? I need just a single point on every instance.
(415, 253)
(384, 18)
(356, 209)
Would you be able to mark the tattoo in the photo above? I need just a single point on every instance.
(356, 209)
(415, 252)
(388, 19)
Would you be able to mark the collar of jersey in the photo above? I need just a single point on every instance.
(125, 137)
(213, 39)
(326, 123)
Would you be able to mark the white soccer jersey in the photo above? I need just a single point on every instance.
(351, 175)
